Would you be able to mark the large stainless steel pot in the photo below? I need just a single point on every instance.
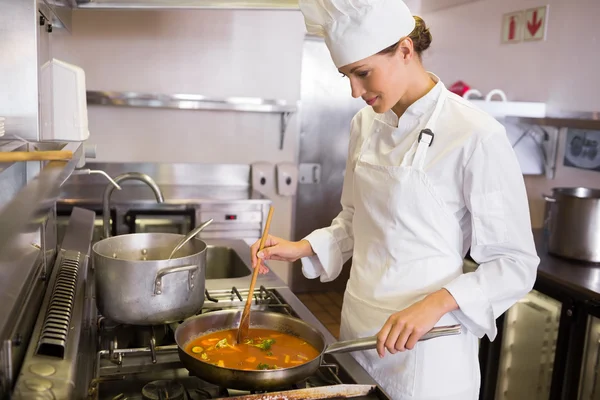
(268, 379)
(572, 223)
(136, 283)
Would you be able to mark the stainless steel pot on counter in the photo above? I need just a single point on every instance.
(136, 284)
(573, 223)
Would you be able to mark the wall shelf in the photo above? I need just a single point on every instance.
(283, 5)
(500, 109)
(577, 120)
(195, 102)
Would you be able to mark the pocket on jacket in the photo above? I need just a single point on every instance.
(488, 215)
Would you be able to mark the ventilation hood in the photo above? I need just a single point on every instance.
(187, 4)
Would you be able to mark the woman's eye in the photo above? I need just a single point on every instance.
(343, 75)
(363, 74)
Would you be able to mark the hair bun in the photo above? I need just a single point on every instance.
(420, 36)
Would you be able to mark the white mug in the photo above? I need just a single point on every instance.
(474, 92)
(494, 92)
(476, 95)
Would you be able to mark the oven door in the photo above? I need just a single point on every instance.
(62, 221)
(163, 221)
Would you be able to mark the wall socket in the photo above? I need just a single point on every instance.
(309, 174)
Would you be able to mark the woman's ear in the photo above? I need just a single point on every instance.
(406, 49)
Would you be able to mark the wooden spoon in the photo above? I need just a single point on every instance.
(14, 156)
(245, 321)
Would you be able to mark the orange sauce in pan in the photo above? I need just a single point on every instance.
(264, 349)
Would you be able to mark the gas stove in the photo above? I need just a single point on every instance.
(136, 362)
(75, 353)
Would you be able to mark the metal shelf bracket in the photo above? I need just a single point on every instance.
(285, 119)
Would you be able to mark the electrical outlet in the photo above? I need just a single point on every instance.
(309, 174)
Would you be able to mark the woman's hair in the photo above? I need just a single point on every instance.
(420, 36)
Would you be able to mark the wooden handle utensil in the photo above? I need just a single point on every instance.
(245, 321)
(14, 156)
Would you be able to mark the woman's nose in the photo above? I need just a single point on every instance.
(357, 89)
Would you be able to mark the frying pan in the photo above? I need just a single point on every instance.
(268, 379)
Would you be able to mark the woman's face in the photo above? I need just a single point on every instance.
(382, 79)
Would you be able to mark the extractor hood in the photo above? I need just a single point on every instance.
(189, 4)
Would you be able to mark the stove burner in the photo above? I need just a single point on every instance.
(163, 390)
(145, 363)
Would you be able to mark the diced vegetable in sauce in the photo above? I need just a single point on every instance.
(266, 366)
(263, 350)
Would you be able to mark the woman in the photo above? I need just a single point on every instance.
(428, 177)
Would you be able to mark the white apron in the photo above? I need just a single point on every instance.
(407, 244)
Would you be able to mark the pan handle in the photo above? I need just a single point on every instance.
(171, 270)
(370, 343)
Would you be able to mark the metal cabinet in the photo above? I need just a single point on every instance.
(589, 387)
(528, 348)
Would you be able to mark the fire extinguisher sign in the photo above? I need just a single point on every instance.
(512, 27)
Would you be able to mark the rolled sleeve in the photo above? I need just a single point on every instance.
(501, 241)
(475, 311)
(327, 262)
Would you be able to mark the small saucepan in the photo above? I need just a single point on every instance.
(203, 324)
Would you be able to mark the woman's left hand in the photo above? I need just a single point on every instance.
(403, 329)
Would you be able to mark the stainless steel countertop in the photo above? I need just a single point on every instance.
(581, 278)
(133, 193)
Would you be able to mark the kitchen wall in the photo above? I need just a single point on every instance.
(561, 71)
(215, 53)
(258, 54)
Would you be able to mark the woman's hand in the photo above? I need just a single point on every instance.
(403, 329)
(279, 249)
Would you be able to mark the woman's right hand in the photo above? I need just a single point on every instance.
(280, 250)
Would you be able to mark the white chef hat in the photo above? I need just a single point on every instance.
(357, 29)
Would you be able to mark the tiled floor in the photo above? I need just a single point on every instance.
(327, 307)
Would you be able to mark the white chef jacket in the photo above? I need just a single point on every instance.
(475, 171)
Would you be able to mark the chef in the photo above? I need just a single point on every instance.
(428, 178)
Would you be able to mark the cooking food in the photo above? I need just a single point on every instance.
(264, 349)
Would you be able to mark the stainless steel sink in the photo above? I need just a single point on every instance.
(224, 263)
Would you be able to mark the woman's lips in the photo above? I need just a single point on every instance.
(371, 101)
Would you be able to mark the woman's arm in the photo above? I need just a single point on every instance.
(501, 242)
(324, 251)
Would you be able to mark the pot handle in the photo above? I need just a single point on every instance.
(370, 343)
(549, 199)
(171, 270)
